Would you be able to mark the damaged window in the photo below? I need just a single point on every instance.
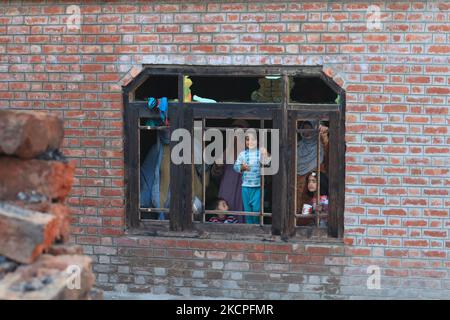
(226, 180)
(157, 86)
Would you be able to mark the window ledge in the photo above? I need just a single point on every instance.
(232, 232)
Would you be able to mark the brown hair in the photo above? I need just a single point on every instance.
(323, 184)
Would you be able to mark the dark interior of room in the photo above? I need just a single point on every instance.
(224, 89)
(311, 90)
(233, 89)
(158, 87)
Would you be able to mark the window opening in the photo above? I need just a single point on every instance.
(310, 90)
(312, 189)
(315, 107)
(158, 86)
(247, 89)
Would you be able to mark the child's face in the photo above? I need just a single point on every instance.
(222, 205)
(312, 184)
(308, 134)
(251, 142)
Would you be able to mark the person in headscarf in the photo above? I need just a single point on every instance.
(307, 147)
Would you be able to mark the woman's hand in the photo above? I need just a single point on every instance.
(265, 157)
(263, 152)
(323, 129)
(323, 133)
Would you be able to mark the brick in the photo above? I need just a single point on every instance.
(435, 234)
(414, 202)
(25, 234)
(434, 254)
(373, 180)
(60, 211)
(54, 268)
(216, 255)
(28, 134)
(64, 249)
(415, 243)
(439, 49)
(373, 201)
(52, 179)
(257, 256)
(396, 89)
(436, 213)
(373, 222)
(358, 88)
(240, 266)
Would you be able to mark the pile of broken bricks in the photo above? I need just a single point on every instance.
(36, 261)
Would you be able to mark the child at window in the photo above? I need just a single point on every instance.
(222, 205)
(307, 152)
(249, 163)
(311, 194)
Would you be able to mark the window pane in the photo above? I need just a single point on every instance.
(310, 90)
(154, 172)
(158, 87)
(228, 194)
(312, 172)
(233, 89)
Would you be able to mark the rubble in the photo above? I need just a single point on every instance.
(52, 179)
(63, 249)
(35, 178)
(49, 279)
(25, 234)
(27, 134)
(6, 266)
(52, 155)
(32, 197)
(60, 211)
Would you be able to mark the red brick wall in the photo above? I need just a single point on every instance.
(397, 184)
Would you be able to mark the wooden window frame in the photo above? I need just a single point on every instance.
(182, 115)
